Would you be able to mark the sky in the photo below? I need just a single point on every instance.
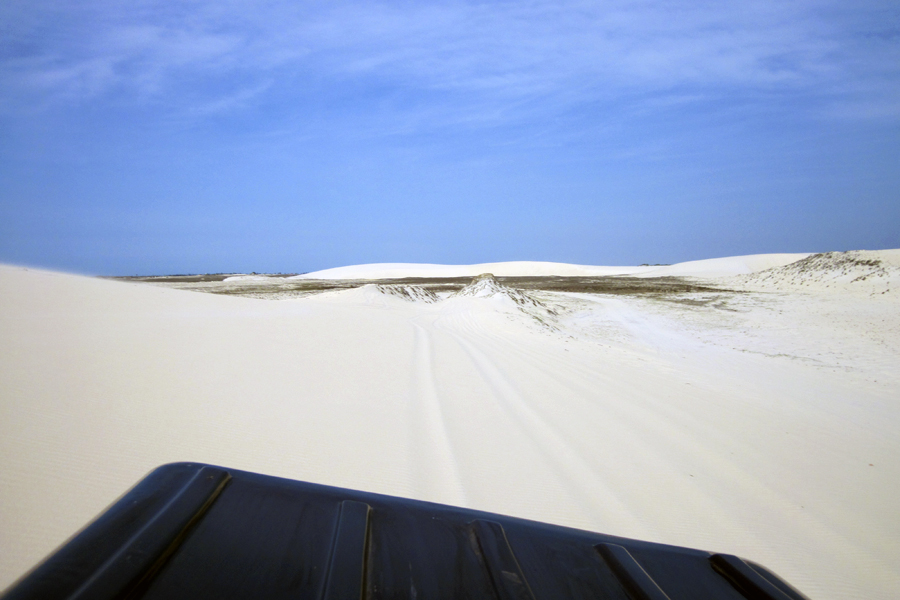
(177, 136)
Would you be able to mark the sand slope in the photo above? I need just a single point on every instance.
(763, 424)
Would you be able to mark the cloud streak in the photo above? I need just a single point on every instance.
(452, 62)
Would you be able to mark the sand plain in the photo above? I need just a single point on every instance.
(749, 406)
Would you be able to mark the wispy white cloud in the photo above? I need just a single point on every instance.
(451, 61)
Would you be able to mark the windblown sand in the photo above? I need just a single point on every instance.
(763, 422)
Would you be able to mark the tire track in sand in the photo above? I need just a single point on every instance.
(580, 479)
(435, 467)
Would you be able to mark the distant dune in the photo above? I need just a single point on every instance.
(756, 412)
(700, 268)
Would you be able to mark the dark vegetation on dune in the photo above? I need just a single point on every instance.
(279, 285)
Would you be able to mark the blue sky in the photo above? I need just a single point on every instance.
(192, 136)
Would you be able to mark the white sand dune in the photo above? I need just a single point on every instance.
(505, 269)
(765, 424)
(723, 267)
(254, 278)
(860, 272)
(717, 267)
